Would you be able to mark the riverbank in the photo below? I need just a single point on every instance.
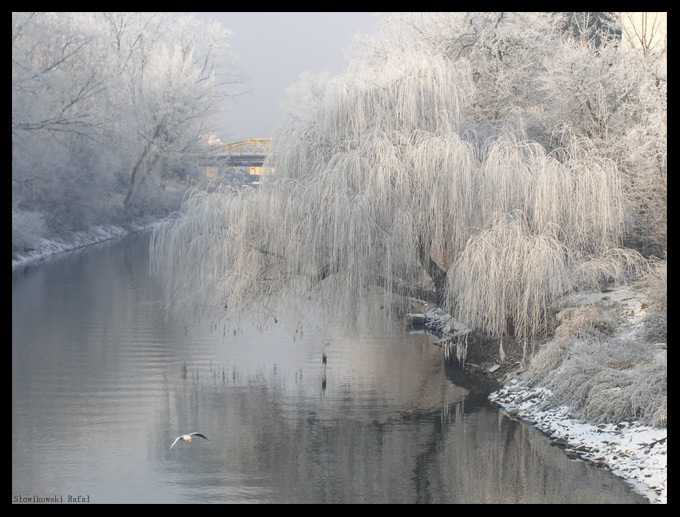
(597, 388)
(634, 452)
(48, 247)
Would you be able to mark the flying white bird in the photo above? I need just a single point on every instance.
(186, 438)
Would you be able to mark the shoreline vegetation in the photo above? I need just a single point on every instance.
(597, 387)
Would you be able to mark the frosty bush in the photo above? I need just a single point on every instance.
(655, 322)
(607, 380)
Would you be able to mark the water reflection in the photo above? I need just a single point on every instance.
(102, 383)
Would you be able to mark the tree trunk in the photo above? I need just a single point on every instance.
(434, 270)
(136, 178)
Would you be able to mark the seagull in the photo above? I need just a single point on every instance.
(186, 438)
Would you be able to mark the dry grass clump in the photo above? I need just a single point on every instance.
(548, 358)
(595, 270)
(654, 327)
(573, 323)
(655, 322)
(586, 321)
(656, 282)
(605, 380)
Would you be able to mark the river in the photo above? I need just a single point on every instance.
(103, 381)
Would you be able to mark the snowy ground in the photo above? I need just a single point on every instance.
(634, 452)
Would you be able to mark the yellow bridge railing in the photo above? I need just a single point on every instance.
(245, 147)
(247, 153)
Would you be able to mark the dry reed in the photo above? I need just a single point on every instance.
(605, 380)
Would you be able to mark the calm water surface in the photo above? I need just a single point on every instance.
(102, 382)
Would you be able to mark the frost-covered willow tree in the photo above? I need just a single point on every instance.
(346, 212)
(383, 193)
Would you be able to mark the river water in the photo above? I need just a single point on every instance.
(103, 381)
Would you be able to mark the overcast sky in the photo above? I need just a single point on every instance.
(275, 48)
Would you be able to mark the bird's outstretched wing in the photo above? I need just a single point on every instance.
(198, 434)
(173, 443)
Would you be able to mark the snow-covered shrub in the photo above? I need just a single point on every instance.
(585, 321)
(610, 380)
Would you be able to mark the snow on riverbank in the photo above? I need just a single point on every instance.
(46, 248)
(618, 317)
(634, 452)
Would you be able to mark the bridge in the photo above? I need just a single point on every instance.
(220, 161)
(247, 153)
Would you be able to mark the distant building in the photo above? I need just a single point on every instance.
(210, 140)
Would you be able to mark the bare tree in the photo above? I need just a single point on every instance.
(646, 31)
(54, 79)
(100, 103)
(176, 73)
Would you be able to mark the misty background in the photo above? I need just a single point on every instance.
(274, 49)
(108, 109)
